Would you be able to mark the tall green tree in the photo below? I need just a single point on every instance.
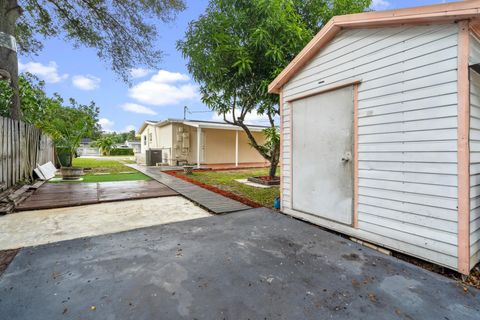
(65, 123)
(122, 32)
(36, 105)
(237, 47)
(69, 125)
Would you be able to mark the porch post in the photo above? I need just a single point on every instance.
(199, 142)
(236, 148)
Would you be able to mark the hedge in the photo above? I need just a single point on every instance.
(122, 152)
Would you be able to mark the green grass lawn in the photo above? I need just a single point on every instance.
(99, 170)
(225, 180)
(102, 166)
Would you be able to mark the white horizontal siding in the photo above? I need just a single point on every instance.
(474, 155)
(407, 129)
(286, 150)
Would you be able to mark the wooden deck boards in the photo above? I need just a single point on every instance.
(58, 195)
(211, 201)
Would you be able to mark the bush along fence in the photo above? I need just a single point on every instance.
(121, 152)
(22, 147)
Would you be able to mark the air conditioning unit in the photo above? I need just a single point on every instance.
(153, 157)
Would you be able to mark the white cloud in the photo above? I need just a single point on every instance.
(86, 82)
(140, 72)
(129, 128)
(250, 118)
(48, 72)
(136, 108)
(106, 124)
(164, 88)
(164, 76)
(380, 4)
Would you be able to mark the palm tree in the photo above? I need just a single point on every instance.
(105, 143)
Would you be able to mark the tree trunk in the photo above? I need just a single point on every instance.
(275, 159)
(273, 169)
(9, 13)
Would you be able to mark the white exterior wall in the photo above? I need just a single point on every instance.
(407, 134)
(474, 155)
(162, 138)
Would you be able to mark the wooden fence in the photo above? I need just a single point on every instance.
(22, 147)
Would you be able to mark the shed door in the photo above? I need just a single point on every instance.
(322, 155)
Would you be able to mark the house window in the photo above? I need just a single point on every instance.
(150, 137)
(144, 140)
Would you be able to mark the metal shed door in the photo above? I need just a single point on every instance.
(322, 158)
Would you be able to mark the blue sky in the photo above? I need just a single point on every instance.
(155, 94)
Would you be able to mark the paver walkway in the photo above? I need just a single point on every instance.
(212, 201)
(59, 195)
(255, 264)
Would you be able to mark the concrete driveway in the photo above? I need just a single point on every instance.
(253, 264)
(32, 228)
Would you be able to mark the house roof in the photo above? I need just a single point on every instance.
(200, 124)
(440, 13)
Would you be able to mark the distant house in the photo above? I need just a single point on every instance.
(85, 149)
(135, 145)
(220, 143)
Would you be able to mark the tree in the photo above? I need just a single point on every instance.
(120, 30)
(105, 143)
(132, 136)
(34, 102)
(68, 125)
(236, 48)
(38, 108)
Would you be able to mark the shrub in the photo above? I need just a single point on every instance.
(122, 152)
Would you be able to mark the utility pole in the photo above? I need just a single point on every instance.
(185, 110)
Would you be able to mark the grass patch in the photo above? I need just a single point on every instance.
(225, 180)
(107, 170)
(102, 166)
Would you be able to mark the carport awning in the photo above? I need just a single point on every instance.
(223, 126)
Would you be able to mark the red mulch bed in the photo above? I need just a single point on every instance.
(226, 169)
(267, 178)
(6, 257)
(231, 195)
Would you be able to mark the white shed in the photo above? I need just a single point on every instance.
(380, 126)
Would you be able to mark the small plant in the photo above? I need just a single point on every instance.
(105, 143)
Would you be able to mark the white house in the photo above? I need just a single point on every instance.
(380, 121)
(221, 144)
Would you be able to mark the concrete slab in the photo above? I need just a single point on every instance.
(255, 264)
(31, 228)
(253, 184)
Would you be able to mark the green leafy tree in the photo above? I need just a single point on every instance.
(122, 31)
(37, 108)
(132, 136)
(236, 48)
(68, 125)
(106, 144)
(35, 103)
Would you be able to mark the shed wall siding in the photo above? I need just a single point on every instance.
(407, 133)
(474, 155)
